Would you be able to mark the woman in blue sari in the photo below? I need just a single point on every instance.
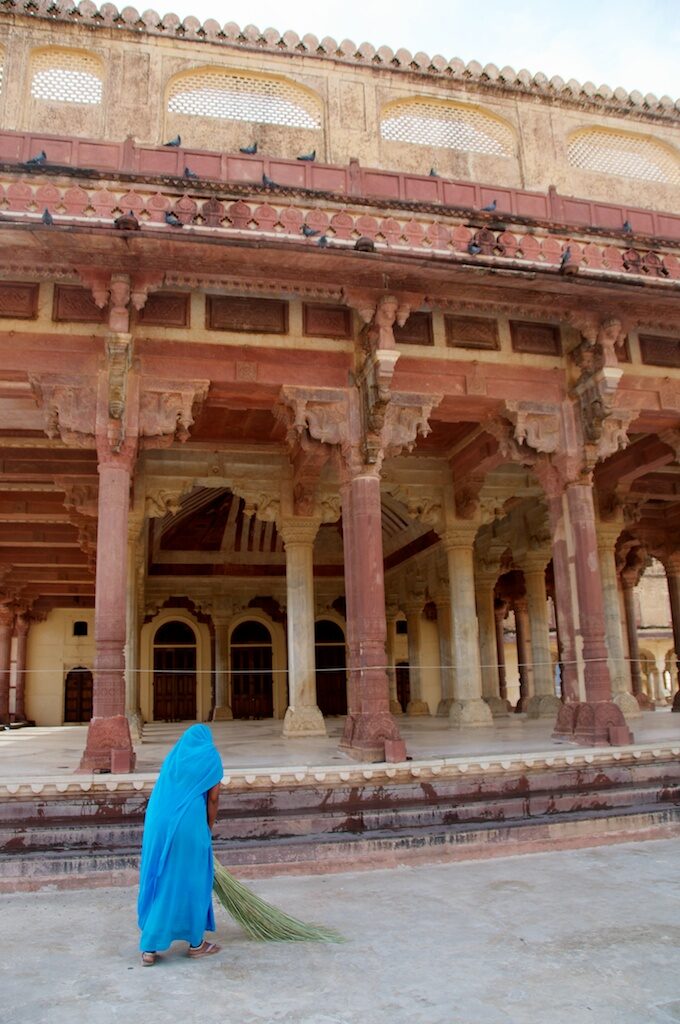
(176, 873)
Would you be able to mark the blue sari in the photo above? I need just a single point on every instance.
(176, 873)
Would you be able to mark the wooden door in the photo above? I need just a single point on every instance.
(252, 684)
(78, 695)
(174, 673)
(331, 669)
(403, 684)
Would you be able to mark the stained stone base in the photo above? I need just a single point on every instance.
(109, 746)
(628, 704)
(497, 706)
(396, 708)
(223, 714)
(136, 723)
(593, 723)
(444, 707)
(306, 720)
(543, 706)
(417, 707)
(470, 713)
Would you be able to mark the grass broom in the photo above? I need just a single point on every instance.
(261, 920)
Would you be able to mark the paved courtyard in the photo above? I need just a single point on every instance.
(566, 938)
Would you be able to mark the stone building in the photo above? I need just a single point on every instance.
(316, 361)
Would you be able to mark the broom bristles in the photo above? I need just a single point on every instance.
(261, 920)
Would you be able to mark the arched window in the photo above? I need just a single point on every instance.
(446, 125)
(66, 76)
(238, 96)
(624, 154)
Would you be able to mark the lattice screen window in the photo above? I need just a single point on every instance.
(241, 97)
(629, 156)
(446, 125)
(64, 76)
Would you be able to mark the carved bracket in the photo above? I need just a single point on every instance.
(69, 408)
(168, 410)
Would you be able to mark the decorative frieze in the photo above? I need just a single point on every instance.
(326, 321)
(74, 304)
(165, 309)
(416, 331)
(535, 338)
(18, 301)
(471, 332)
(246, 315)
(659, 351)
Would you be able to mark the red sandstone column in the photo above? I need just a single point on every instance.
(672, 567)
(500, 612)
(6, 627)
(21, 632)
(523, 634)
(564, 597)
(109, 746)
(370, 731)
(414, 625)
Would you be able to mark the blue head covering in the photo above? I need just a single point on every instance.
(192, 767)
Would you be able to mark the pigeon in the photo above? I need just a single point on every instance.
(311, 157)
(473, 248)
(249, 150)
(322, 242)
(627, 227)
(177, 141)
(364, 244)
(173, 220)
(565, 258)
(490, 208)
(433, 173)
(309, 232)
(127, 222)
(35, 161)
(268, 182)
(47, 217)
(188, 173)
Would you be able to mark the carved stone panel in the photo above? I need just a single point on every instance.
(416, 331)
(326, 321)
(659, 351)
(18, 301)
(165, 309)
(471, 332)
(77, 305)
(234, 313)
(538, 339)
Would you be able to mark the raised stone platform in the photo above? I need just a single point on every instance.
(72, 829)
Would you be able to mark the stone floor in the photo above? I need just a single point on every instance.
(573, 937)
(47, 752)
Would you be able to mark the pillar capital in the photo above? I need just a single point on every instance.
(298, 530)
(459, 536)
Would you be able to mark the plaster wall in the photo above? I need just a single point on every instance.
(52, 651)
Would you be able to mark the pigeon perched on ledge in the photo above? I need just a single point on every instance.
(490, 207)
(309, 157)
(35, 161)
(47, 217)
(268, 182)
(127, 222)
(177, 141)
(309, 232)
(249, 150)
(172, 219)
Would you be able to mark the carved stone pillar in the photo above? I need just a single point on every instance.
(520, 607)
(500, 611)
(618, 664)
(566, 601)
(132, 704)
(486, 618)
(391, 615)
(543, 703)
(414, 622)
(629, 580)
(468, 707)
(370, 731)
(222, 711)
(109, 745)
(6, 628)
(303, 717)
(21, 628)
(672, 567)
(445, 629)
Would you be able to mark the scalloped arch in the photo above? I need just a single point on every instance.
(238, 95)
(447, 125)
(625, 154)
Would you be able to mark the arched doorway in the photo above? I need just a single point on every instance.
(78, 695)
(252, 692)
(331, 668)
(174, 673)
(403, 683)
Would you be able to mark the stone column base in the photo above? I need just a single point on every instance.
(628, 704)
(136, 723)
(396, 708)
(545, 705)
(444, 707)
(222, 714)
(306, 720)
(470, 713)
(109, 746)
(595, 723)
(372, 737)
(417, 707)
(645, 702)
(497, 706)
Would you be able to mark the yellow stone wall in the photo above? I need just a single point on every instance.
(52, 651)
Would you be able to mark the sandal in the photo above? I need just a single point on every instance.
(205, 949)
(148, 959)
